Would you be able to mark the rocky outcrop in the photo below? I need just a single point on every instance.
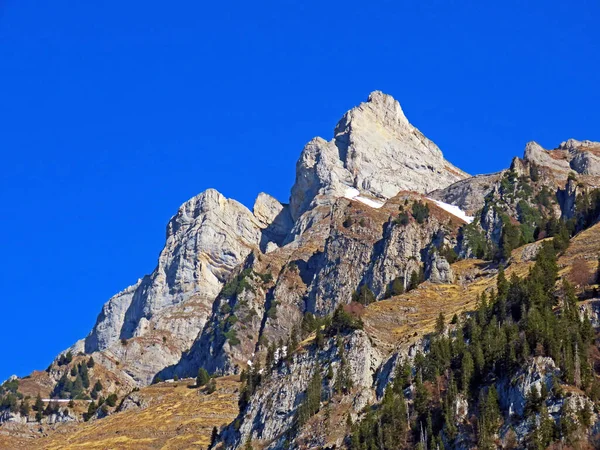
(147, 326)
(535, 153)
(353, 245)
(469, 194)
(376, 151)
(273, 407)
(275, 220)
(335, 236)
(513, 392)
(439, 271)
(582, 157)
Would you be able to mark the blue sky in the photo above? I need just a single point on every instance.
(113, 113)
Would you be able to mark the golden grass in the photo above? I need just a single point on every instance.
(181, 418)
(404, 319)
(177, 417)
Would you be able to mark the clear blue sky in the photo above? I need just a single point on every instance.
(113, 113)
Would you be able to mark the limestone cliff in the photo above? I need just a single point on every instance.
(375, 154)
(375, 151)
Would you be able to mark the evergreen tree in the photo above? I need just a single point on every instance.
(111, 400)
(270, 358)
(312, 400)
(24, 408)
(364, 296)
(467, 370)
(97, 386)
(416, 278)
(319, 339)
(440, 324)
(39, 404)
(422, 396)
(77, 389)
(567, 423)
(211, 386)
(92, 408)
(397, 287)
(214, 437)
(202, 378)
(85, 377)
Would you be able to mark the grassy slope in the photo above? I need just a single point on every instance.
(177, 417)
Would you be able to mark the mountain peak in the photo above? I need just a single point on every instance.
(376, 151)
(380, 101)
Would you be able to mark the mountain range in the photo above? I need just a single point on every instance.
(348, 309)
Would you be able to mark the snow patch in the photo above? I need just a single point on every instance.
(454, 210)
(354, 194)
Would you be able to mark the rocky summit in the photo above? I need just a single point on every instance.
(395, 302)
(375, 152)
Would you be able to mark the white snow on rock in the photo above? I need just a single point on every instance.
(454, 210)
(354, 194)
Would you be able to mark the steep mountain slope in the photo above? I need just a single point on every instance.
(375, 151)
(366, 359)
(317, 304)
(148, 326)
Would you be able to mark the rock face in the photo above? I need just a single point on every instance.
(439, 271)
(335, 236)
(582, 157)
(273, 407)
(376, 151)
(274, 218)
(375, 154)
(208, 237)
(468, 194)
(353, 245)
(513, 392)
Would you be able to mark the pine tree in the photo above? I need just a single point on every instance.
(577, 367)
(440, 324)
(293, 342)
(92, 408)
(214, 437)
(312, 400)
(39, 404)
(421, 396)
(24, 409)
(85, 377)
(77, 388)
(319, 339)
(533, 402)
(211, 386)
(397, 286)
(467, 369)
(202, 378)
(567, 423)
(98, 386)
(91, 363)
